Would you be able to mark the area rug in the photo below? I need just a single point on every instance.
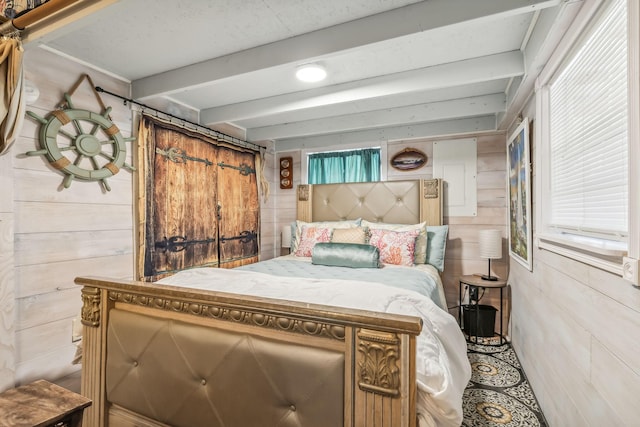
(498, 393)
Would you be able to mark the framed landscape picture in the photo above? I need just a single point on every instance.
(519, 189)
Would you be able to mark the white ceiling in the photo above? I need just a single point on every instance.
(397, 69)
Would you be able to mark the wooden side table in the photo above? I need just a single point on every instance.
(475, 281)
(41, 404)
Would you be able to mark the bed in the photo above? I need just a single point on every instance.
(295, 341)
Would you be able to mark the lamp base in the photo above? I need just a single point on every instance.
(489, 278)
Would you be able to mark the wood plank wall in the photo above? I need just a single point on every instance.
(48, 236)
(60, 234)
(269, 234)
(574, 329)
(285, 198)
(54, 235)
(462, 244)
(7, 288)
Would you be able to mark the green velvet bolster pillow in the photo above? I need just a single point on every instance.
(354, 255)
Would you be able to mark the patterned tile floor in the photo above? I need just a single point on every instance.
(498, 393)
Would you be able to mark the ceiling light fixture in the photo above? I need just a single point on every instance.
(311, 73)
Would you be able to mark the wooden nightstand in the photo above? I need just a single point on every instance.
(476, 282)
(41, 404)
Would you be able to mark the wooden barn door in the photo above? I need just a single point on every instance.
(201, 202)
(238, 208)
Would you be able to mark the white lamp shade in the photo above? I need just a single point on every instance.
(490, 244)
(286, 236)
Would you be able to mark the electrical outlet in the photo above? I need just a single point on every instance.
(465, 296)
(76, 330)
(473, 294)
(630, 270)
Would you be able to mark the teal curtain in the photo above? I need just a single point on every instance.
(344, 166)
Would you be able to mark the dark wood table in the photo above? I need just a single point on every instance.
(41, 404)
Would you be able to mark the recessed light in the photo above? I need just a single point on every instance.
(311, 73)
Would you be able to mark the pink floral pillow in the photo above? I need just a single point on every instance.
(309, 237)
(396, 247)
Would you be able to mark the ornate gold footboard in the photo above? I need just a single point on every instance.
(163, 355)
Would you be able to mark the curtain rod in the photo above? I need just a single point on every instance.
(223, 136)
(34, 15)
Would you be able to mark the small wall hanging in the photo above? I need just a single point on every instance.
(82, 144)
(408, 159)
(286, 172)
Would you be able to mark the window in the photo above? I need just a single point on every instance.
(344, 166)
(583, 157)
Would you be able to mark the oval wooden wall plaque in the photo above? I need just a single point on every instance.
(408, 159)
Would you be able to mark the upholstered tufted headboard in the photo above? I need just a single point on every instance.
(399, 202)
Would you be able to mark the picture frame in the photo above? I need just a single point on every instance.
(519, 195)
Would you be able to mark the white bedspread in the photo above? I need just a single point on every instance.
(443, 369)
(421, 278)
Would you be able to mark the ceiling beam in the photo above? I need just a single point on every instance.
(373, 136)
(381, 103)
(437, 111)
(477, 70)
(417, 17)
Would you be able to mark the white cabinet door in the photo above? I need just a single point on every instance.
(455, 161)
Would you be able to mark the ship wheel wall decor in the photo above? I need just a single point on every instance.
(82, 144)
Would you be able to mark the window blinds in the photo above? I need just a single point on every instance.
(588, 132)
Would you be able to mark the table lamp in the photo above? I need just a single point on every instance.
(490, 248)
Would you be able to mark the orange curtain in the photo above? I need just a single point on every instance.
(11, 85)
